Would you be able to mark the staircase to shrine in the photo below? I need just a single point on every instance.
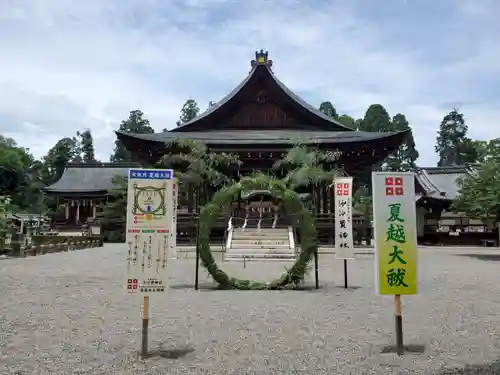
(253, 243)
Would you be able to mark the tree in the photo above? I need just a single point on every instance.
(376, 119)
(189, 111)
(65, 150)
(20, 177)
(113, 216)
(479, 192)
(5, 220)
(453, 146)
(195, 164)
(87, 146)
(405, 156)
(136, 123)
(328, 109)
(306, 167)
(348, 121)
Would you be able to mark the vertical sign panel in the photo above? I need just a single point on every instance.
(343, 218)
(173, 231)
(395, 232)
(149, 222)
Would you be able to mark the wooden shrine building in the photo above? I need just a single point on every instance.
(260, 120)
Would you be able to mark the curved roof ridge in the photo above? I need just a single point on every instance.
(426, 182)
(221, 102)
(301, 102)
(305, 104)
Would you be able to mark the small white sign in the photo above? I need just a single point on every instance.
(344, 244)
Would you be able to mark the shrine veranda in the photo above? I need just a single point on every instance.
(67, 313)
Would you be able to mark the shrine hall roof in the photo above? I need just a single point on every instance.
(88, 178)
(442, 182)
(262, 68)
(266, 136)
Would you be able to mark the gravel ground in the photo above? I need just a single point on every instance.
(67, 314)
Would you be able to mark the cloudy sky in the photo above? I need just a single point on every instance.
(68, 65)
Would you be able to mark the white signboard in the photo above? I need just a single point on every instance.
(148, 229)
(173, 232)
(344, 245)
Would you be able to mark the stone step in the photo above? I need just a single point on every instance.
(270, 257)
(262, 230)
(258, 246)
(261, 251)
(250, 244)
(259, 241)
(256, 237)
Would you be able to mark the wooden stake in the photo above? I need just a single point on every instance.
(145, 324)
(399, 325)
(345, 273)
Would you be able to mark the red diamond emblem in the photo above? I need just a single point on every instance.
(389, 181)
(399, 181)
(346, 192)
(389, 191)
(399, 191)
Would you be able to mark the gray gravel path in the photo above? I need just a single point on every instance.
(66, 313)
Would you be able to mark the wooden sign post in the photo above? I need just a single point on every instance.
(395, 230)
(145, 327)
(151, 197)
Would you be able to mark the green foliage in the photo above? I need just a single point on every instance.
(20, 177)
(453, 146)
(404, 158)
(328, 109)
(195, 164)
(113, 216)
(307, 166)
(348, 121)
(87, 146)
(293, 204)
(189, 111)
(479, 191)
(5, 217)
(136, 123)
(64, 151)
(376, 119)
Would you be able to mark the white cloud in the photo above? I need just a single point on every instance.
(69, 65)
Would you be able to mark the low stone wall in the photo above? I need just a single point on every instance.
(52, 244)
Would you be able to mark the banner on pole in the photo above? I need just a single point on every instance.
(395, 230)
(344, 244)
(148, 229)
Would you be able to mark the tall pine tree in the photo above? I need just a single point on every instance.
(136, 123)
(87, 146)
(452, 144)
(376, 119)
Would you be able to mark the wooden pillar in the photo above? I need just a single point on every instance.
(325, 192)
(66, 210)
(93, 209)
(77, 214)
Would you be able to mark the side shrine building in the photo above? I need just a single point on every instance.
(259, 120)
